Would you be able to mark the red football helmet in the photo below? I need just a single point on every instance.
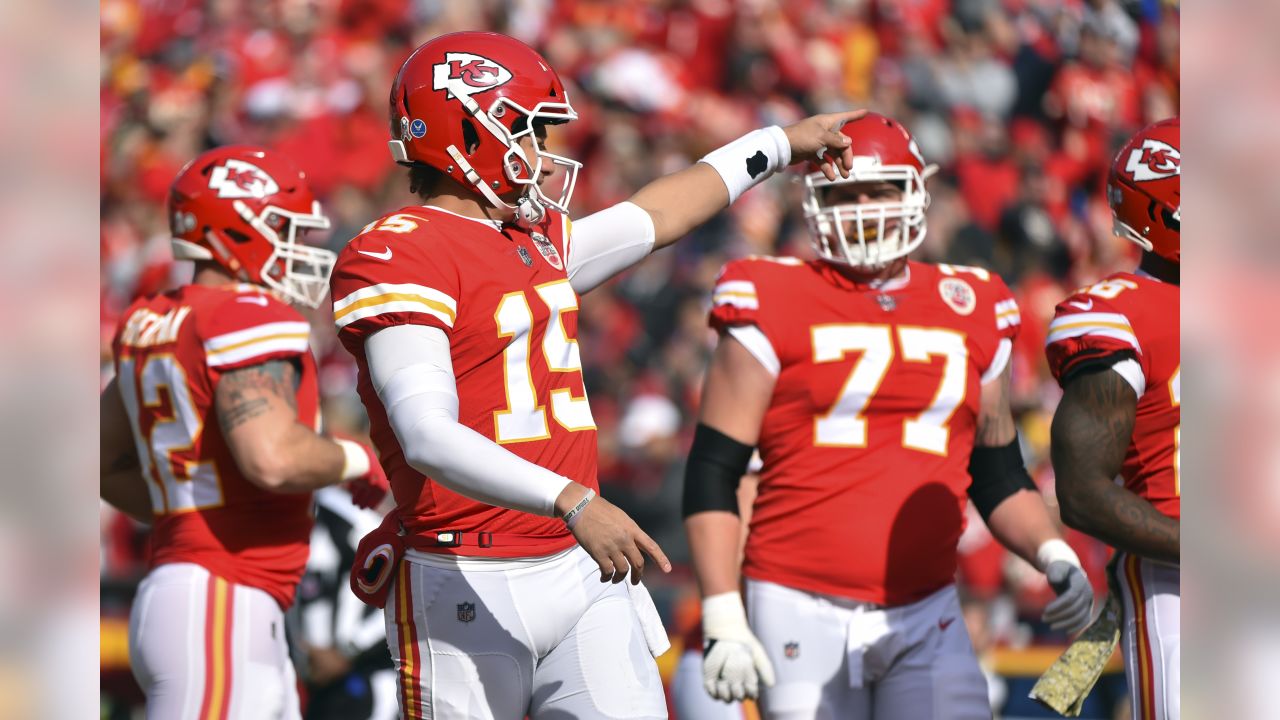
(242, 207)
(883, 151)
(462, 102)
(1145, 189)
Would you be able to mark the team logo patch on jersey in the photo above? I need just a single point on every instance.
(548, 250)
(466, 612)
(791, 650)
(958, 295)
(240, 179)
(465, 74)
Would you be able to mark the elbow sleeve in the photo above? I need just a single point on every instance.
(997, 473)
(716, 465)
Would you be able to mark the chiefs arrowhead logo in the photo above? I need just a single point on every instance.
(1154, 161)
(464, 74)
(240, 179)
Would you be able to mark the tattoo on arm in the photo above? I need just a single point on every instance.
(248, 392)
(1092, 430)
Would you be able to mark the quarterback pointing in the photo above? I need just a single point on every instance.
(461, 313)
(209, 434)
(1114, 348)
(876, 391)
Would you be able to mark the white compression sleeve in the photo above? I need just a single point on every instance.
(412, 373)
(605, 243)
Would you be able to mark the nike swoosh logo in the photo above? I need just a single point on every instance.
(255, 299)
(1082, 305)
(944, 624)
(384, 255)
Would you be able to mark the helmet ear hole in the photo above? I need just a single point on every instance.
(470, 137)
(236, 235)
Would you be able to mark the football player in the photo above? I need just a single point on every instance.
(209, 433)
(1113, 346)
(876, 391)
(461, 313)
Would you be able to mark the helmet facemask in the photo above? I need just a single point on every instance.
(298, 272)
(531, 203)
(524, 174)
(868, 235)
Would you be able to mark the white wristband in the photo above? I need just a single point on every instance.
(355, 461)
(1055, 549)
(571, 517)
(749, 160)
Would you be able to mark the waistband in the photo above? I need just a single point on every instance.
(480, 562)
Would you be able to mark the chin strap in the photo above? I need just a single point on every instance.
(528, 211)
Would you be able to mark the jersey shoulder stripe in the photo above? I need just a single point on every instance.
(1109, 325)
(738, 293)
(392, 298)
(266, 339)
(1007, 314)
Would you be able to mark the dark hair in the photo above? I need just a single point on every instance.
(423, 180)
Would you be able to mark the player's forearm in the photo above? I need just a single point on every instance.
(1022, 524)
(713, 546)
(298, 461)
(681, 201)
(474, 466)
(1099, 507)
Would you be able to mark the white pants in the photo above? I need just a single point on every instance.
(691, 700)
(488, 639)
(838, 659)
(1151, 635)
(204, 648)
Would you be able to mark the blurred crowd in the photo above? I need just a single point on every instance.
(1021, 102)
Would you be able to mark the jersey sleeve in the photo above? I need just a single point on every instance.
(1088, 331)
(734, 301)
(1008, 317)
(251, 328)
(382, 279)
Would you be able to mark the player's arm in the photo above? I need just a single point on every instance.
(412, 371)
(120, 480)
(257, 411)
(734, 400)
(1091, 432)
(1015, 513)
(665, 210)
(1002, 490)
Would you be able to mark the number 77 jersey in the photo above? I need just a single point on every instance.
(503, 299)
(1129, 322)
(867, 437)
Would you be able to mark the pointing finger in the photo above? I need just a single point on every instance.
(647, 544)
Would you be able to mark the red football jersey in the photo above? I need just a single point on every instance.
(1133, 316)
(170, 351)
(503, 298)
(867, 438)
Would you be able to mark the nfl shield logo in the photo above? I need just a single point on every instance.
(791, 650)
(466, 612)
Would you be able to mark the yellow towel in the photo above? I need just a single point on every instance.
(1065, 685)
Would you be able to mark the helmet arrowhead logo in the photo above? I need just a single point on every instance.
(1155, 160)
(240, 179)
(464, 74)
